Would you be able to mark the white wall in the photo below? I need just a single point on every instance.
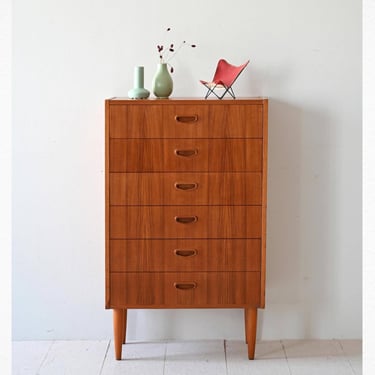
(70, 55)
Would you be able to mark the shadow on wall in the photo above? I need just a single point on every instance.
(301, 242)
(301, 200)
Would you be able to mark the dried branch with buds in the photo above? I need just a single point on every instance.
(167, 53)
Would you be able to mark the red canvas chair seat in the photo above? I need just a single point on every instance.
(224, 78)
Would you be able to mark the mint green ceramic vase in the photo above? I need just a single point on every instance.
(138, 91)
(162, 84)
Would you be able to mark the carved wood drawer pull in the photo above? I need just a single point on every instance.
(185, 252)
(186, 153)
(193, 118)
(186, 219)
(187, 186)
(185, 286)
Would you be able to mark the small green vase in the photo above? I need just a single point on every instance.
(162, 84)
(138, 91)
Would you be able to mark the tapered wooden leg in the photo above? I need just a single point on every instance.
(124, 328)
(118, 331)
(245, 315)
(251, 330)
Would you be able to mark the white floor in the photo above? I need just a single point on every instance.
(216, 357)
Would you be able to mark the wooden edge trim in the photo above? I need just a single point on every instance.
(264, 204)
(107, 277)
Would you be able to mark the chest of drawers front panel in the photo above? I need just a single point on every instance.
(185, 204)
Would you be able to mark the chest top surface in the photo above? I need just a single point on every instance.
(187, 100)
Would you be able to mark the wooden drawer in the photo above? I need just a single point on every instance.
(184, 289)
(184, 255)
(138, 222)
(185, 155)
(185, 189)
(186, 121)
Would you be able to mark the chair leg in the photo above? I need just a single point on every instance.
(231, 92)
(211, 91)
(208, 93)
(228, 90)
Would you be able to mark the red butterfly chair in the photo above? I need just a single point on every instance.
(224, 78)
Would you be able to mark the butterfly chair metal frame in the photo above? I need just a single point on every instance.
(225, 76)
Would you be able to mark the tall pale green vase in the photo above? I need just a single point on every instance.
(138, 91)
(162, 84)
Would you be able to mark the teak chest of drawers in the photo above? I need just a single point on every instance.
(186, 198)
